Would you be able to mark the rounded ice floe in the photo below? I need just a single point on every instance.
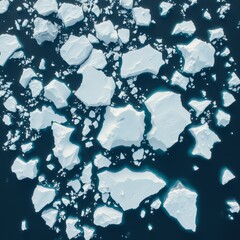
(181, 204)
(70, 14)
(227, 176)
(168, 117)
(205, 138)
(4, 5)
(27, 75)
(50, 216)
(223, 119)
(11, 104)
(228, 99)
(104, 216)
(24, 169)
(57, 92)
(128, 4)
(46, 7)
(141, 16)
(129, 188)
(143, 60)
(8, 45)
(105, 32)
(122, 127)
(96, 88)
(71, 230)
(197, 55)
(76, 50)
(42, 196)
(184, 28)
(44, 30)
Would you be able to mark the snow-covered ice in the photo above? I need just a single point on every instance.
(199, 106)
(179, 80)
(142, 16)
(184, 28)
(50, 216)
(223, 118)
(71, 230)
(46, 7)
(27, 75)
(227, 176)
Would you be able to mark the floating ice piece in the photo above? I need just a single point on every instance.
(223, 119)
(233, 81)
(179, 80)
(75, 184)
(227, 176)
(44, 30)
(70, 14)
(128, 4)
(100, 161)
(44, 118)
(156, 204)
(11, 104)
(215, 34)
(165, 8)
(97, 60)
(71, 230)
(141, 16)
(197, 56)
(58, 93)
(199, 106)
(27, 75)
(228, 99)
(50, 216)
(169, 119)
(181, 204)
(76, 50)
(36, 87)
(143, 60)
(234, 206)
(24, 225)
(46, 7)
(42, 196)
(124, 35)
(138, 155)
(4, 5)
(26, 147)
(99, 85)
(8, 45)
(184, 28)
(122, 127)
(88, 232)
(207, 15)
(205, 139)
(64, 150)
(24, 169)
(128, 188)
(105, 32)
(87, 174)
(105, 216)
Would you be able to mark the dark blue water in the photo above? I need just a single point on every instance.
(212, 220)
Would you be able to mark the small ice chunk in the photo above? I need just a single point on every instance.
(24, 169)
(169, 119)
(215, 34)
(143, 60)
(207, 15)
(46, 7)
(165, 8)
(4, 5)
(124, 35)
(128, 4)
(70, 14)
(8, 45)
(76, 50)
(105, 32)
(75, 184)
(233, 81)
(27, 75)
(199, 106)
(50, 216)
(100, 161)
(42, 65)
(223, 119)
(197, 56)
(11, 104)
(71, 230)
(24, 225)
(205, 139)
(142, 16)
(234, 206)
(129, 188)
(184, 28)
(122, 127)
(99, 85)
(181, 204)
(156, 204)
(138, 155)
(36, 87)
(179, 80)
(228, 99)
(104, 216)
(26, 147)
(227, 176)
(7, 120)
(58, 93)
(42, 196)
(87, 174)
(64, 150)
(88, 232)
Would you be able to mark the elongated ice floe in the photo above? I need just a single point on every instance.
(205, 138)
(46, 7)
(71, 230)
(64, 150)
(227, 176)
(129, 188)
(169, 119)
(50, 216)
(101, 88)
(215, 34)
(143, 60)
(184, 28)
(181, 204)
(35, 87)
(88, 232)
(197, 55)
(122, 127)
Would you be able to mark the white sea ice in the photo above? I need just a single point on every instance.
(156, 204)
(165, 8)
(228, 99)
(58, 93)
(122, 126)
(169, 119)
(4, 5)
(36, 87)
(42, 196)
(24, 169)
(234, 206)
(8, 45)
(46, 7)
(27, 75)
(223, 119)
(44, 30)
(65, 150)
(88, 232)
(76, 50)
(184, 28)
(233, 81)
(75, 184)
(104, 216)
(128, 4)
(129, 188)
(99, 85)
(106, 32)
(227, 176)
(143, 60)
(100, 161)
(50, 216)
(180, 80)
(205, 139)
(71, 230)
(70, 14)
(24, 225)
(142, 16)
(124, 35)
(26, 147)
(86, 177)
(181, 204)
(199, 106)
(197, 55)
(215, 34)
(138, 155)
(10, 104)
